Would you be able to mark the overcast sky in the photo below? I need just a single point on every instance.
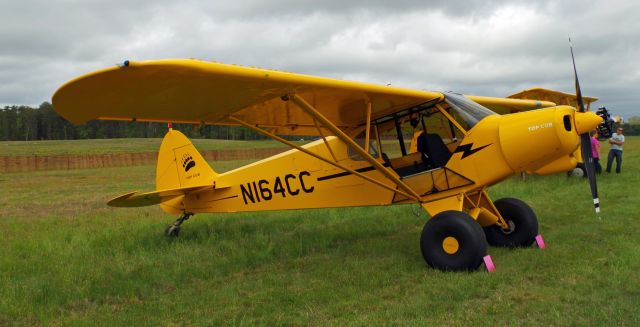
(481, 47)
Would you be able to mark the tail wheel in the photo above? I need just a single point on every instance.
(452, 240)
(523, 224)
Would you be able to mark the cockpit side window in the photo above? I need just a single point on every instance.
(437, 123)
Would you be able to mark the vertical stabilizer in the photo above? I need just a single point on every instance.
(180, 165)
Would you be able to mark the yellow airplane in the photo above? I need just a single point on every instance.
(360, 157)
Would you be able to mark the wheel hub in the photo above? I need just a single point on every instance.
(512, 227)
(450, 245)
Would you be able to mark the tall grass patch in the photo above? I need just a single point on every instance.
(68, 259)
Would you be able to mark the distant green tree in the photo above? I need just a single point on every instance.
(44, 123)
(633, 120)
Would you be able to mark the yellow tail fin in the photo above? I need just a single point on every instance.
(180, 165)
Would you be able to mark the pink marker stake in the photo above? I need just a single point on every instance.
(540, 242)
(489, 263)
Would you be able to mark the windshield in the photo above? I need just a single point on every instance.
(471, 112)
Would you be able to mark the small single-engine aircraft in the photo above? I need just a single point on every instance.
(360, 157)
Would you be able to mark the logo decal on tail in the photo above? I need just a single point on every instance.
(187, 162)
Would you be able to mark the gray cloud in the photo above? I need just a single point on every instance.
(476, 47)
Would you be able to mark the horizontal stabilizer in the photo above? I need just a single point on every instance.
(137, 199)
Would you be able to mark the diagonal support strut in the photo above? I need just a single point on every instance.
(305, 106)
(336, 164)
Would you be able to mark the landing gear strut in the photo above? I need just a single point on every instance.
(174, 229)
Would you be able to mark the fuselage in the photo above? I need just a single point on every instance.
(540, 141)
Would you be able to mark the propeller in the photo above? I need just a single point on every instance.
(585, 142)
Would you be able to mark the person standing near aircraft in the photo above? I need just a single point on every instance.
(595, 151)
(616, 141)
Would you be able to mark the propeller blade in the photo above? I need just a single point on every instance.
(587, 157)
(575, 73)
(585, 141)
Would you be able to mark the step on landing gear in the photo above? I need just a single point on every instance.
(174, 229)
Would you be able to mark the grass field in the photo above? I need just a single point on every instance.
(103, 146)
(68, 259)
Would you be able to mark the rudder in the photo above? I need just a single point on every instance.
(180, 165)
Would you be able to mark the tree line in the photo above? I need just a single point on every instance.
(23, 123)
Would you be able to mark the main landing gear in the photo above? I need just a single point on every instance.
(454, 241)
(174, 229)
(523, 225)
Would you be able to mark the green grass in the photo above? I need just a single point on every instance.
(102, 146)
(68, 259)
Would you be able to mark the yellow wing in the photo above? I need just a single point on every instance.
(199, 92)
(560, 98)
(507, 106)
(534, 98)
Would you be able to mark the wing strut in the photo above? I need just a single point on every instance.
(301, 149)
(368, 128)
(305, 106)
(324, 139)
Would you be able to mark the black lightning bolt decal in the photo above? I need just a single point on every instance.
(467, 151)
